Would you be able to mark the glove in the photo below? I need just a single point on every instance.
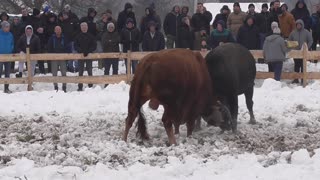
(85, 54)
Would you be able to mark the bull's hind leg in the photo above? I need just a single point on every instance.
(133, 112)
(233, 104)
(168, 118)
(249, 95)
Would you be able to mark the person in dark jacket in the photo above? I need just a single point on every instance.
(51, 25)
(275, 11)
(29, 39)
(201, 19)
(251, 10)
(4, 17)
(153, 39)
(263, 23)
(110, 41)
(248, 34)
(72, 16)
(223, 16)
(185, 35)
(6, 47)
(124, 15)
(316, 28)
(130, 38)
(89, 19)
(184, 12)
(85, 43)
(150, 16)
(220, 35)
(57, 43)
(170, 26)
(301, 12)
(16, 30)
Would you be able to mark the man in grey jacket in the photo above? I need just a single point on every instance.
(274, 52)
(301, 35)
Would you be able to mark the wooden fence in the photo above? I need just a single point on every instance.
(302, 54)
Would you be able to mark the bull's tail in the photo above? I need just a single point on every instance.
(142, 128)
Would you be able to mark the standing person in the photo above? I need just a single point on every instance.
(251, 10)
(6, 47)
(236, 19)
(184, 12)
(124, 15)
(110, 43)
(29, 39)
(170, 26)
(286, 21)
(301, 12)
(248, 34)
(153, 39)
(150, 16)
(4, 17)
(274, 52)
(201, 20)
(316, 28)
(301, 35)
(89, 19)
(223, 15)
(85, 43)
(220, 35)
(16, 30)
(263, 22)
(275, 11)
(57, 43)
(130, 38)
(185, 34)
(67, 9)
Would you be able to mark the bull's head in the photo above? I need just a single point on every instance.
(219, 116)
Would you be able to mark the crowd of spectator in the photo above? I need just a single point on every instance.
(45, 31)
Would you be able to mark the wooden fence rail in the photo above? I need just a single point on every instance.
(301, 54)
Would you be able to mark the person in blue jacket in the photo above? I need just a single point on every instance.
(6, 47)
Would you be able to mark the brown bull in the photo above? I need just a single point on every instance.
(179, 80)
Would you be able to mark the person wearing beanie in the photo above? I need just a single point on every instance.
(286, 21)
(220, 35)
(110, 41)
(301, 12)
(124, 15)
(130, 38)
(150, 16)
(6, 47)
(89, 19)
(263, 22)
(248, 35)
(236, 19)
(274, 52)
(223, 16)
(251, 10)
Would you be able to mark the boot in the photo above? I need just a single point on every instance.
(56, 88)
(90, 85)
(296, 81)
(19, 75)
(106, 85)
(80, 86)
(64, 88)
(6, 89)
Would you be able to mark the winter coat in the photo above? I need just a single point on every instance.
(274, 14)
(316, 23)
(182, 15)
(219, 17)
(302, 36)
(248, 36)
(50, 26)
(69, 28)
(35, 46)
(263, 22)
(171, 23)
(217, 37)
(58, 45)
(7, 42)
(85, 43)
(274, 48)
(102, 27)
(110, 41)
(130, 38)
(38, 23)
(151, 17)
(185, 37)
(235, 21)
(124, 15)
(17, 32)
(92, 27)
(303, 14)
(199, 21)
(72, 16)
(287, 24)
(155, 43)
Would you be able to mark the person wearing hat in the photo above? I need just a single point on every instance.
(274, 52)
(153, 39)
(222, 16)
(110, 41)
(150, 16)
(67, 9)
(124, 15)
(6, 47)
(301, 12)
(251, 10)
(263, 22)
(89, 19)
(130, 38)
(248, 35)
(220, 35)
(236, 19)
(4, 17)
(286, 21)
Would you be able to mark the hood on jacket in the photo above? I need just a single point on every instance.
(222, 23)
(250, 17)
(273, 37)
(127, 6)
(151, 11)
(28, 27)
(4, 14)
(92, 10)
(299, 21)
(304, 4)
(174, 8)
(185, 7)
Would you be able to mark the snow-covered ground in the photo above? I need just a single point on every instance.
(48, 135)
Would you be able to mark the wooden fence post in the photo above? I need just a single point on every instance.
(29, 69)
(305, 60)
(128, 66)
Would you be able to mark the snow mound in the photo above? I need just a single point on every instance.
(271, 84)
